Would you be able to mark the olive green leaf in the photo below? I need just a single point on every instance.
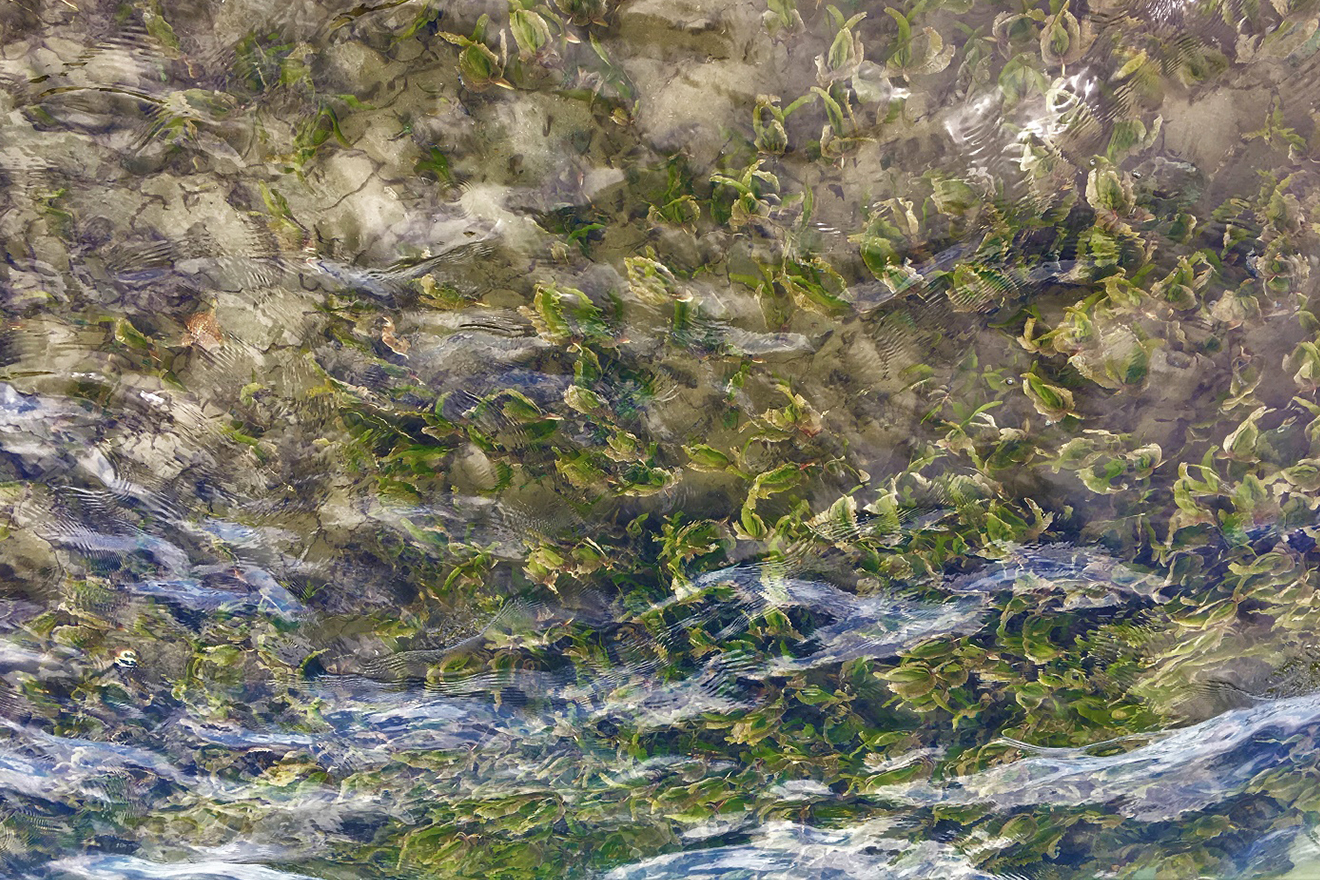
(565, 314)
(919, 55)
(845, 53)
(837, 523)
(584, 12)
(1020, 79)
(764, 485)
(955, 196)
(652, 281)
(1108, 190)
(1061, 40)
(478, 64)
(1304, 363)
(768, 125)
(702, 457)
(531, 32)
(1011, 29)
(1052, 401)
(781, 16)
(750, 183)
(584, 400)
(1241, 442)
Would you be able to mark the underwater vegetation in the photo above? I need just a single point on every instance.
(649, 438)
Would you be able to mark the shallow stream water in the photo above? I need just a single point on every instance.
(659, 438)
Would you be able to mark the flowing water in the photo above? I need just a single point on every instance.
(659, 438)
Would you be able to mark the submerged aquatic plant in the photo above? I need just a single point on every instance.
(916, 55)
(636, 471)
(846, 51)
(479, 65)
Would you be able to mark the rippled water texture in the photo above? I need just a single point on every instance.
(659, 438)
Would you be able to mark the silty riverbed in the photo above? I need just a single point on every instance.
(659, 438)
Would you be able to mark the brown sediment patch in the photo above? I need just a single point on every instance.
(1203, 129)
(203, 330)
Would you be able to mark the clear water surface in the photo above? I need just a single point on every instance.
(659, 438)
